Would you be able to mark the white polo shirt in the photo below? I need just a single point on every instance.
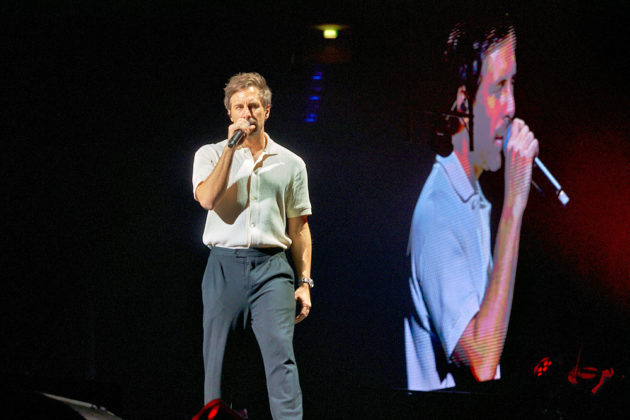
(449, 246)
(260, 196)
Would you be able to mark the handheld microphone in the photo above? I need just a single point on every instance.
(237, 136)
(562, 196)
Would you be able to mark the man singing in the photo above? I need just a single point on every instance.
(461, 293)
(250, 190)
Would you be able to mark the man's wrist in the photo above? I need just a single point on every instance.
(307, 280)
(514, 208)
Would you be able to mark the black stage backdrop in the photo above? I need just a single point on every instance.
(106, 103)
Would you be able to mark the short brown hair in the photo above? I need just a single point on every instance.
(242, 81)
(467, 47)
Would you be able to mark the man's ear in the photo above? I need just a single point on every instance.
(267, 110)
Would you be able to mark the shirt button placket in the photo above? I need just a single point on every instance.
(253, 204)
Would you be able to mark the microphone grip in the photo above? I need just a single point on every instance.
(236, 137)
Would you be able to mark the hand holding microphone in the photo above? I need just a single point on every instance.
(525, 139)
(519, 148)
(239, 133)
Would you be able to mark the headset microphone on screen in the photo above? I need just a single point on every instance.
(443, 126)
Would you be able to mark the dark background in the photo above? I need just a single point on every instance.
(107, 102)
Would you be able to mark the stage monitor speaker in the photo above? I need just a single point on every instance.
(86, 410)
(25, 404)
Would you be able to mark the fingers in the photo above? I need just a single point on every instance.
(303, 297)
(240, 124)
(522, 141)
(521, 149)
(303, 314)
(532, 149)
(528, 146)
(519, 130)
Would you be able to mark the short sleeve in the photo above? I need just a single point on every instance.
(205, 160)
(298, 202)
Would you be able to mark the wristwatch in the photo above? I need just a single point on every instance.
(307, 281)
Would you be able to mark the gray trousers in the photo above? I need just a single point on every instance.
(256, 283)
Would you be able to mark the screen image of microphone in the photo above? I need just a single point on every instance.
(236, 137)
(562, 196)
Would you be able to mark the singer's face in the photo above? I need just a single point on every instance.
(494, 105)
(247, 104)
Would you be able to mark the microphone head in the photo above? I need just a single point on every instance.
(507, 137)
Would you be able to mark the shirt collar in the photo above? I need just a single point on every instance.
(270, 146)
(458, 178)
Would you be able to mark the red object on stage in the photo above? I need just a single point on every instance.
(218, 410)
